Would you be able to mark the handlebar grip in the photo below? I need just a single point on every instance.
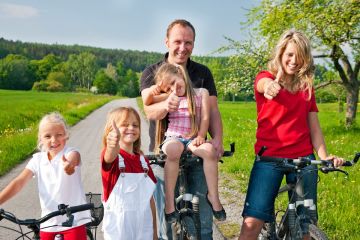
(347, 164)
(80, 208)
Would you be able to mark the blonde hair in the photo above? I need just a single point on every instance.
(304, 78)
(162, 74)
(119, 115)
(54, 118)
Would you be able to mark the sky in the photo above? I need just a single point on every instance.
(123, 24)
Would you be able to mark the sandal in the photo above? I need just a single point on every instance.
(171, 217)
(219, 215)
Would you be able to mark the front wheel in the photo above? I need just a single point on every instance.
(89, 235)
(316, 233)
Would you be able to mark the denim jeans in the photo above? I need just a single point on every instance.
(197, 185)
(264, 183)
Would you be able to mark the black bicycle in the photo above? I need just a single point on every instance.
(300, 213)
(187, 205)
(33, 232)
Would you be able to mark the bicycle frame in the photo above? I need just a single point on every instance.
(299, 210)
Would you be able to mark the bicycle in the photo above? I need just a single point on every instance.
(34, 224)
(300, 212)
(187, 205)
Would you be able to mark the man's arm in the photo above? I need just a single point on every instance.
(216, 128)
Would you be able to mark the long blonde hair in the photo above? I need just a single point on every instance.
(304, 78)
(54, 118)
(162, 74)
(119, 115)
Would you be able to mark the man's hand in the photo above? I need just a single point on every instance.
(219, 148)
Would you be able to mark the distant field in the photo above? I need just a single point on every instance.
(21, 112)
(338, 196)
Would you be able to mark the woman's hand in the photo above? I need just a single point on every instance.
(272, 88)
(336, 160)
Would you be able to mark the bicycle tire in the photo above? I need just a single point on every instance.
(267, 233)
(316, 233)
(185, 229)
(89, 235)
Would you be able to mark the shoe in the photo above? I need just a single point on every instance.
(219, 215)
(171, 217)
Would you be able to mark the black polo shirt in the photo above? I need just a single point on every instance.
(200, 76)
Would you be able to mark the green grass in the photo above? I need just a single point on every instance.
(337, 195)
(21, 112)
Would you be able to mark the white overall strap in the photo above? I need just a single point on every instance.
(121, 165)
(144, 165)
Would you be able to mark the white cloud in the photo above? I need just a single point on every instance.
(18, 11)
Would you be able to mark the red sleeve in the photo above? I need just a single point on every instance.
(261, 75)
(109, 176)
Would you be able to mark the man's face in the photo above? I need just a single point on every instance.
(180, 44)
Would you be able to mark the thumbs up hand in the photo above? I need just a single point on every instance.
(113, 138)
(173, 101)
(272, 88)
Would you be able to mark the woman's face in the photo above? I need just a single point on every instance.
(290, 60)
(174, 83)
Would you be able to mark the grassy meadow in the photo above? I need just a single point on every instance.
(337, 194)
(21, 112)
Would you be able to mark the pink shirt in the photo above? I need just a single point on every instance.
(283, 122)
(179, 121)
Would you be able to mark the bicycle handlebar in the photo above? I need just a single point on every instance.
(299, 163)
(160, 158)
(63, 209)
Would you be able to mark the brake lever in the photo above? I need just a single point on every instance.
(332, 169)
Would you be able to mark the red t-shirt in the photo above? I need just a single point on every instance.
(110, 176)
(283, 122)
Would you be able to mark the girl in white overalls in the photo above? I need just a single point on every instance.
(128, 181)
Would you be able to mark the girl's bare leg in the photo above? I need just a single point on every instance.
(173, 150)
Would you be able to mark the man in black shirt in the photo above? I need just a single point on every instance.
(180, 38)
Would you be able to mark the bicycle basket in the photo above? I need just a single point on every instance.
(97, 213)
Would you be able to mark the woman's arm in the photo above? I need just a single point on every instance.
(317, 138)
(15, 185)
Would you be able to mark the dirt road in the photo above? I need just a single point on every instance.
(86, 136)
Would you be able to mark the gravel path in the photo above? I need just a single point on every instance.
(86, 136)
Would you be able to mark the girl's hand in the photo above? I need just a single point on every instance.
(198, 141)
(113, 138)
(272, 88)
(69, 168)
(336, 160)
(156, 89)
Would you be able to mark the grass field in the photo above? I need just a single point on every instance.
(21, 112)
(337, 194)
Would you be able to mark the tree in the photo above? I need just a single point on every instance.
(333, 27)
(44, 66)
(82, 69)
(15, 73)
(104, 84)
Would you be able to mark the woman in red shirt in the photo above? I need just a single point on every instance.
(288, 126)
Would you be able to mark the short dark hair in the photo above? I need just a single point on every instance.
(181, 22)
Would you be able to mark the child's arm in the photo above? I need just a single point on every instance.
(15, 185)
(153, 94)
(153, 210)
(112, 145)
(70, 161)
(205, 117)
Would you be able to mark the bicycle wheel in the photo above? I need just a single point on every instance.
(185, 229)
(316, 233)
(89, 235)
(267, 232)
